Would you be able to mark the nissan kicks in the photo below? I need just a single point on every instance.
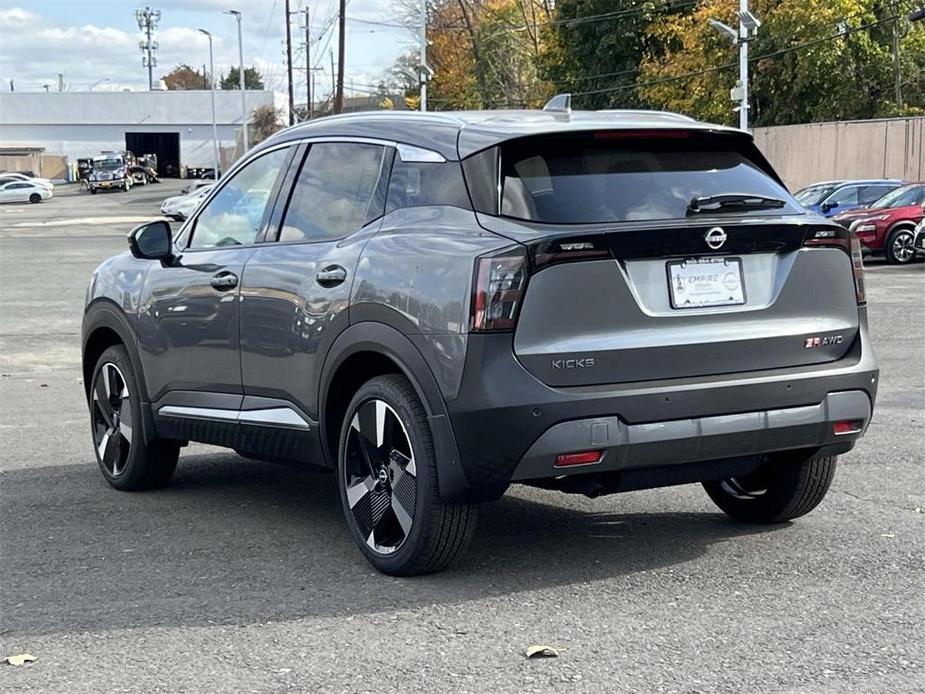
(438, 306)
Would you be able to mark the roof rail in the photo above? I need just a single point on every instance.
(560, 105)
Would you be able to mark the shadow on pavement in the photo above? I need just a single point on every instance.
(236, 542)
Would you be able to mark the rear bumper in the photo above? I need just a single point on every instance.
(634, 446)
(508, 426)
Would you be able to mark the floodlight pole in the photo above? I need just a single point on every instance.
(212, 93)
(743, 65)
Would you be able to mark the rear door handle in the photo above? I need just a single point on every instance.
(331, 276)
(224, 281)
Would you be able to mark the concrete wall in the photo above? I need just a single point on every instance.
(803, 154)
(81, 124)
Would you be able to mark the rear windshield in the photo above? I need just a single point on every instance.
(604, 177)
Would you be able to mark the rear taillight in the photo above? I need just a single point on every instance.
(839, 237)
(500, 281)
(857, 265)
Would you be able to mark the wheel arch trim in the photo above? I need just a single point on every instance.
(389, 342)
(104, 314)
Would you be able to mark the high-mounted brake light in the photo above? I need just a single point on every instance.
(498, 290)
(655, 134)
(839, 237)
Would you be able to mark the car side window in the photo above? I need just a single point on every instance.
(425, 184)
(338, 191)
(868, 194)
(237, 213)
(844, 196)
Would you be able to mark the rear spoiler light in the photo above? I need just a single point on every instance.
(839, 237)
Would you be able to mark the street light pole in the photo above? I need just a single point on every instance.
(212, 93)
(237, 16)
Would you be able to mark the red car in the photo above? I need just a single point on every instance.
(888, 225)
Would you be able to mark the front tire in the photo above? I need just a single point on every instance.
(787, 486)
(126, 461)
(35, 198)
(899, 249)
(387, 476)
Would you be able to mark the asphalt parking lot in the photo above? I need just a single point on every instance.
(241, 576)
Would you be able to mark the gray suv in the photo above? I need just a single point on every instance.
(437, 306)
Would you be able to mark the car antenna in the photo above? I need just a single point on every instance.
(560, 105)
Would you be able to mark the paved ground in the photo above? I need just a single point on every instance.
(241, 576)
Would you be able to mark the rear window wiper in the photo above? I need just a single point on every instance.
(732, 202)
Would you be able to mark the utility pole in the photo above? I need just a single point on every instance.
(147, 21)
(342, 39)
(309, 108)
(237, 15)
(289, 64)
(423, 59)
(897, 65)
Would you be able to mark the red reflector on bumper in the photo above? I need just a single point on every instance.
(849, 426)
(583, 458)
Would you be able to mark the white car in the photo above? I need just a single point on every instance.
(10, 176)
(23, 191)
(182, 206)
(194, 185)
(919, 241)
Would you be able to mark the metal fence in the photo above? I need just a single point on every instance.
(802, 154)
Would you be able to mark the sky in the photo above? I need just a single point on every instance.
(92, 40)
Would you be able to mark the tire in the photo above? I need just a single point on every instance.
(898, 248)
(125, 460)
(788, 486)
(389, 470)
(93, 191)
(35, 198)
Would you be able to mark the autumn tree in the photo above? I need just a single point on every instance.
(813, 60)
(185, 77)
(265, 120)
(252, 79)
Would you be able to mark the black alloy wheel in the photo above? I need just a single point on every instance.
(380, 476)
(112, 418)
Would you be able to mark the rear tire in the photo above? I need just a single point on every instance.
(788, 486)
(387, 476)
(899, 249)
(35, 198)
(126, 461)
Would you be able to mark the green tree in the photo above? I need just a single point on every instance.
(252, 79)
(593, 48)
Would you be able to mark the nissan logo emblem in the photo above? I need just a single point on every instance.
(715, 238)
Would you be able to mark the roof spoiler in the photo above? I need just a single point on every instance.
(560, 105)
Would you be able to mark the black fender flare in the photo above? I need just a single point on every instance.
(370, 336)
(104, 313)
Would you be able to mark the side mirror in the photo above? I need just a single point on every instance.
(826, 206)
(151, 241)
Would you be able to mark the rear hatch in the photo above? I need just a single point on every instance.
(631, 281)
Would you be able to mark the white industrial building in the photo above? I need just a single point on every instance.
(174, 125)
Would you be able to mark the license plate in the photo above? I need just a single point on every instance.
(705, 282)
(104, 184)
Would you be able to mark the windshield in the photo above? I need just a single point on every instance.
(612, 177)
(107, 164)
(907, 196)
(813, 195)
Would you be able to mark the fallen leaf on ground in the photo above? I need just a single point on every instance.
(21, 659)
(542, 652)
